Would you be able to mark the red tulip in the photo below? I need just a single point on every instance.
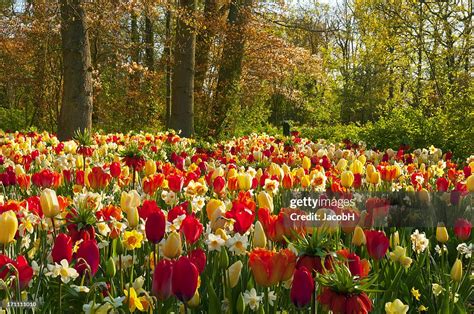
(442, 184)
(198, 258)
(115, 169)
(191, 228)
(155, 226)
(88, 255)
(184, 279)
(62, 248)
(377, 244)
(314, 263)
(302, 288)
(148, 207)
(462, 229)
(219, 184)
(269, 267)
(98, 178)
(243, 216)
(175, 182)
(177, 211)
(24, 270)
(355, 265)
(161, 286)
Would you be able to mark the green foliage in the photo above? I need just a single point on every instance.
(12, 119)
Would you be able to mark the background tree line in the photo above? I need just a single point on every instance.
(386, 72)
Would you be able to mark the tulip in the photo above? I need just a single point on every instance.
(133, 217)
(175, 183)
(155, 227)
(357, 167)
(129, 200)
(245, 181)
(150, 167)
(442, 234)
(8, 226)
(259, 237)
(302, 288)
(233, 273)
(394, 239)
(161, 285)
(195, 300)
(358, 238)
(373, 178)
(462, 229)
(347, 179)
(456, 270)
(49, 203)
(184, 279)
(218, 184)
(396, 307)
(269, 268)
(306, 163)
(424, 196)
(470, 183)
(198, 258)
(110, 268)
(265, 201)
(25, 271)
(377, 243)
(172, 247)
(191, 228)
(62, 248)
(115, 169)
(88, 257)
(341, 164)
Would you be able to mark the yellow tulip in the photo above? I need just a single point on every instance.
(442, 234)
(259, 237)
(79, 161)
(358, 238)
(132, 217)
(19, 170)
(305, 182)
(306, 163)
(212, 205)
(341, 164)
(357, 167)
(470, 183)
(362, 159)
(394, 239)
(370, 170)
(374, 178)
(233, 273)
(172, 247)
(230, 174)
(222, 233)
(49, 203)
(396, 307)
(129, 200)
(347, 179)
(456, 271)
(9, 226)
(300, 173)
(245, 181)
(150, 167)
(265, 201)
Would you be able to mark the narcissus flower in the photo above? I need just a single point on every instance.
(132, 240)
(134, 302)
(8, 226)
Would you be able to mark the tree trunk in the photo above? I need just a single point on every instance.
(231, 61)
(150, 43)
(182, 109)
(167, 53)
(76, 109)
(203, 48)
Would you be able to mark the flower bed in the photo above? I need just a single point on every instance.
(158, 223)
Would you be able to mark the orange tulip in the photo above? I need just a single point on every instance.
(270, 267)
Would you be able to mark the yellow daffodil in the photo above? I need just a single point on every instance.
(415, 293)
(134, 302)
(132, 240)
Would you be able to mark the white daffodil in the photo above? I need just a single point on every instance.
(238, 244)
(214, 242)
(252, 299)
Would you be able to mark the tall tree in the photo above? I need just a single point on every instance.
(231, 61)
(182, 109)
(76, 109)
